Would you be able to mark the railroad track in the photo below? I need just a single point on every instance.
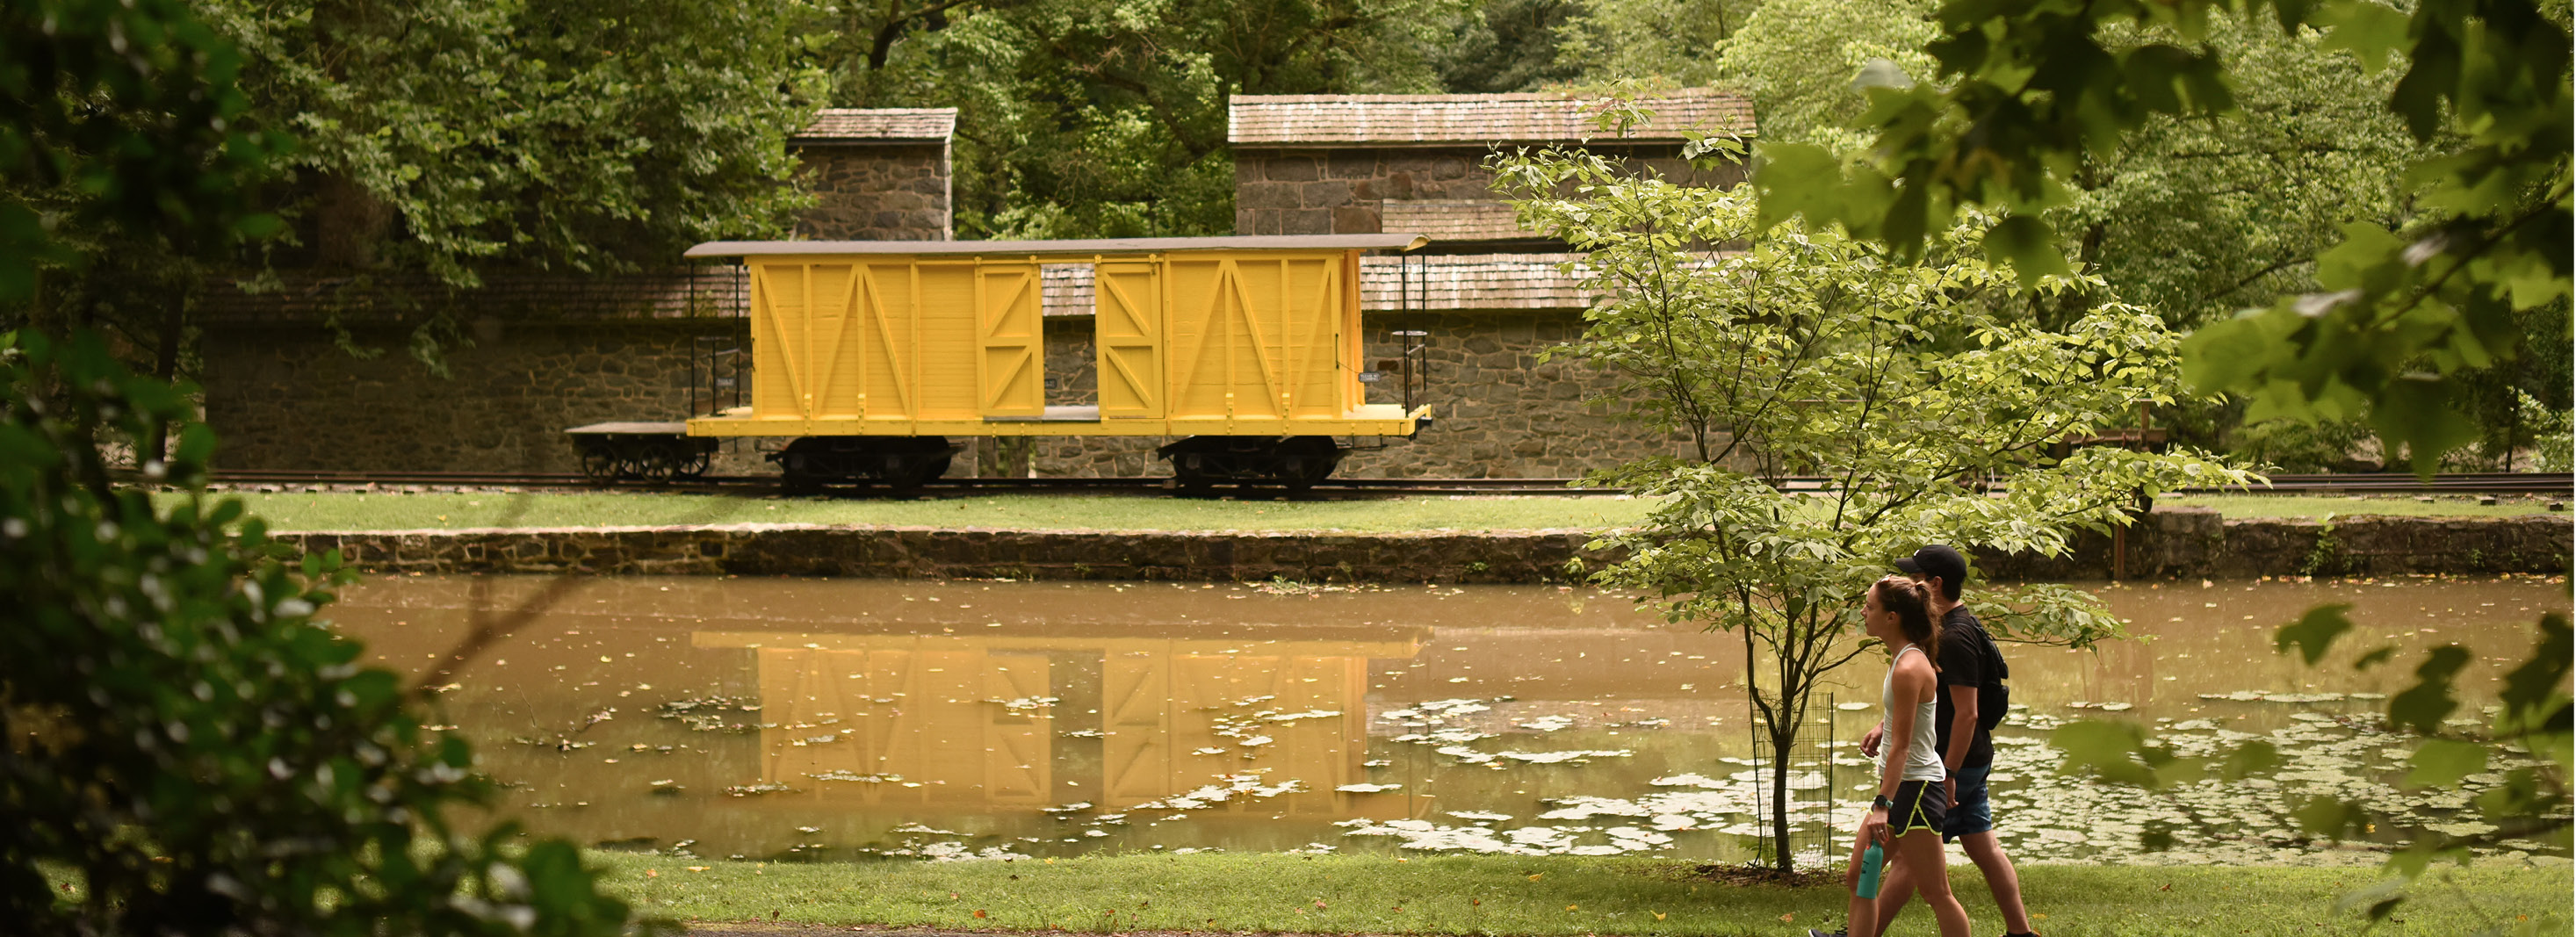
(281, 480)
(287, 480)
(2407, 483)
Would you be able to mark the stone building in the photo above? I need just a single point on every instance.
(546, 352)
(541, 352)
(877, 175)
(1491, 297)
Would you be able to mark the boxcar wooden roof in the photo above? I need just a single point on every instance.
(1437, 283)
(1401, 242)
(1290, 120)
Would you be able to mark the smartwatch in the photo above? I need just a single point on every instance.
(1881, 802)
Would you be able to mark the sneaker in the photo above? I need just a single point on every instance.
(1812, 932)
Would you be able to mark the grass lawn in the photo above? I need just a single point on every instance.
(344, 511)
(1555, 895)
(2353, 506)
(1017, 511)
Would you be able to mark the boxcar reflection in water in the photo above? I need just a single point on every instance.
(975, 722)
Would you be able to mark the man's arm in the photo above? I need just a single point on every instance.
(1963, 727)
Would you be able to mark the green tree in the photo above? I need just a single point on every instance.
(186, 747)
(187, 744)
(1796, 59)
(1109, 119)
(2026, 93)
(1918, 388)
(1670, 40)
(1500, 46)
(554, 134)
(120, 115)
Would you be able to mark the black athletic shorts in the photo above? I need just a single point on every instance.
(1919, 806)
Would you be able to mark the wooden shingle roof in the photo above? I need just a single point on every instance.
(1445, 282)
(879, 125)
(1417, 119)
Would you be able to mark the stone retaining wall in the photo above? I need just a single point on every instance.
(2172, 544)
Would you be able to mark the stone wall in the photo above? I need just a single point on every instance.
(2171, 544)
(283, 396)
(875, 192)
(2197, 543)
(1340, 191)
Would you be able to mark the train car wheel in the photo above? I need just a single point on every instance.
(1302, 461)
(655, 461)
(1189, 476)
(696, 462)
(598, 462)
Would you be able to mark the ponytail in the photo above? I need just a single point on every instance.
(1912, 603)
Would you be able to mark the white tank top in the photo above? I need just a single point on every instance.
(1922, 757)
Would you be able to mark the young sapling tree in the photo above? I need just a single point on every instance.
(1924, 394)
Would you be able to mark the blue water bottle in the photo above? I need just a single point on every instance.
(1869, 865)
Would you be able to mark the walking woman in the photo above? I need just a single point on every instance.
(1905, 820)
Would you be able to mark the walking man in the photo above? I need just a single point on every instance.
(1971, 702)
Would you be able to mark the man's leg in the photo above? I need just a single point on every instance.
(1989, 856)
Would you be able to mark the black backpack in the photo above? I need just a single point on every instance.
(1993, 697)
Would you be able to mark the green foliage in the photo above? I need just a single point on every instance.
(184, 739)
(1799, 60)
(2314, 631)
(2028, 93)
(1506, 45)
(1917, 386)
(117, 115)
(1091, 119)
(568, 134)
(2534, 718)
(1671, 40)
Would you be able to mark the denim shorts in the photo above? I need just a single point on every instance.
(1972, 812)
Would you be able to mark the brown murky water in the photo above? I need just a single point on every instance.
(814, 718)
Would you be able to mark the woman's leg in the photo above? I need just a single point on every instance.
(1860, 919)
(1919, 850)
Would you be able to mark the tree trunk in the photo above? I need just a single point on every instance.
(165, 367)
(1781, 738)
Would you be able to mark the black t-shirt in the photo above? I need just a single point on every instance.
(1963, 660)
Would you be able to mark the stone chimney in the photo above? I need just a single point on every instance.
(880, 174)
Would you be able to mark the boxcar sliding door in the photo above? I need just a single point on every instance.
(1010, 359)
(815, 326)
(1256, 336)
(1128, 318)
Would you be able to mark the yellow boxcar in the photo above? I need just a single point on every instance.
(1239, 339)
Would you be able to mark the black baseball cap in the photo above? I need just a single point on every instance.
(1936, 560)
